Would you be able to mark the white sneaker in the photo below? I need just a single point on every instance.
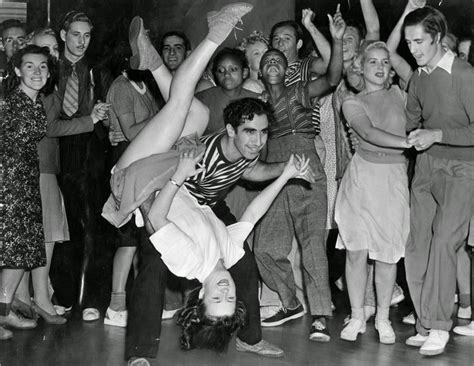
(116, 318)
(352, 330)
(417, 340)
(464, 313)
(168, 314)
(268, 311)
(386, 333)
(409, 319)
(466, 330)
(436, 343)
(397, 295)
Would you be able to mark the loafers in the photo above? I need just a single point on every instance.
(416, 341)
(436, 343)
(262, 348)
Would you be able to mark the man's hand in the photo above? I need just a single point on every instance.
(188, 159)
(100, 112)
(422, 139)
(337, 25)
(115, 137)
(307, 17)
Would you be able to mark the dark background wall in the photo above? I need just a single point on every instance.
(111, 17)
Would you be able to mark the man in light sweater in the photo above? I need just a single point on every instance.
(440, 106)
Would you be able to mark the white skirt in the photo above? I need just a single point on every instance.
(372, 209)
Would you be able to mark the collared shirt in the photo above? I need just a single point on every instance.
(445, 63)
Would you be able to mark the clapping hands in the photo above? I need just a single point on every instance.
(298, 167)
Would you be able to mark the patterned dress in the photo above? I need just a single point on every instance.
(23, 126)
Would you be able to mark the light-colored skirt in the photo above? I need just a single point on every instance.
(372, 209)
(55, 225)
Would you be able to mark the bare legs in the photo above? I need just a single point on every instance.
(356, 277)
(40, 282)
(164, 129)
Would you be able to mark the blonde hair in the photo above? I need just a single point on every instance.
(355, 72)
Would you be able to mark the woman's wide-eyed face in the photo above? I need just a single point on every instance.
(376, 67)
(219, 294)
(33, 72)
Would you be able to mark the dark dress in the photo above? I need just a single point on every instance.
(23, 126)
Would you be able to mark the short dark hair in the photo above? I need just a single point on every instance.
(74, 16)
(354, 23)
(432, 20)
(17, 59)
(274, 50)
(176, 33)
(11, 23)
(201, 331)
(241, 110)
(228, 52)
(287, 23)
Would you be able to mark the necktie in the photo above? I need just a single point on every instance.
(71, 95)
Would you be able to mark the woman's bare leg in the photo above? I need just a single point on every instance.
(161, 133)
(40, 282)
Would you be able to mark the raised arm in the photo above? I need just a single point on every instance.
(399, 64)
(320, 64)
(371, 20)
(295, 167)
(331, 79)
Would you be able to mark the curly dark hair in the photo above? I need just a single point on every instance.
(201, 331)
(13, 81)
(227, 52)
(241, 110)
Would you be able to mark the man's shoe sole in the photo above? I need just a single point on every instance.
(319, 338)
(272, 355)
(432, 352)
(113, 323)
(283, 321)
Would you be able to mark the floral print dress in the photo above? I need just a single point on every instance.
(21, 232)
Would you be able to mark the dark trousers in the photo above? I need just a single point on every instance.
(78, 267)
(146, 303)
(245, 276)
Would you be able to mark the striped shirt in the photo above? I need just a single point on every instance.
(300, 71)
(292, 113)
(210, 186)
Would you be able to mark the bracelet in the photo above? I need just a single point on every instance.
(172, 181)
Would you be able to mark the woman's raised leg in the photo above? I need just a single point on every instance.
(161, 133)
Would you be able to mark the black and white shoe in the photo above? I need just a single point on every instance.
(283, 315)
(319, 332)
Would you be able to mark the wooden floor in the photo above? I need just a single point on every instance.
(78, 343)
